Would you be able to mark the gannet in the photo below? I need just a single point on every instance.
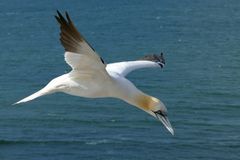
(91, 77)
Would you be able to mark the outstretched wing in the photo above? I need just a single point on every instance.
(123, 68)
(78, 52)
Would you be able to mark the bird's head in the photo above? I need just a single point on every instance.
(156, 108)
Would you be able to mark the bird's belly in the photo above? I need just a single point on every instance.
(87, 89)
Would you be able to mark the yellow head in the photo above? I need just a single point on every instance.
(154, 107)
(149, 103)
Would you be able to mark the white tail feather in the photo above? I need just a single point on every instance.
(37, 94)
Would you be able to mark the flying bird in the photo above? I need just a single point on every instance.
(91, 77)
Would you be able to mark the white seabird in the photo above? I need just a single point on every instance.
(91, 77)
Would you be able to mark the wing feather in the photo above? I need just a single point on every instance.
(78, 52)
(123, 68)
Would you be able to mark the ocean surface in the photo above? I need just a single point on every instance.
(200, 84)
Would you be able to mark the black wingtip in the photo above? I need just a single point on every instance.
(68, 17)
(59, 14)
(158, 58)
(60, 18)
(162, 58)
(57, 18)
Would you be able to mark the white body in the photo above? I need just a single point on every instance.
(92, 78)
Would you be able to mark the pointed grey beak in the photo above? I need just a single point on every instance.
(166, 123)
(164, 119)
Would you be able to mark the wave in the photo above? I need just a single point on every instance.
(11, 142)
(119, 141)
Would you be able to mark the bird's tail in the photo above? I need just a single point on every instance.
(37, 94)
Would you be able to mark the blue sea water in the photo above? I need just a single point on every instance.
(200, 83)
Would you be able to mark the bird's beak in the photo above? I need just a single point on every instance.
(164, 119)
(166, 123)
